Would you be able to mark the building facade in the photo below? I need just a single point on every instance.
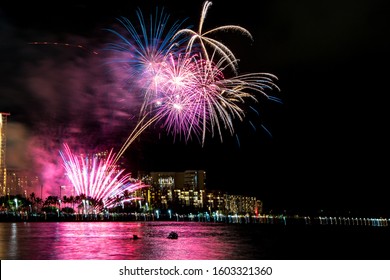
(177, 189)
(3, 142)
(22, 182)
(186, 191)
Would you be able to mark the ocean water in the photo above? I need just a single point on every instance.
(196, 241)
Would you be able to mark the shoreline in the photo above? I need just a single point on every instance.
(272, 220)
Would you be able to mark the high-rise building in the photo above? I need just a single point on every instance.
(3, 141)
(187, 188)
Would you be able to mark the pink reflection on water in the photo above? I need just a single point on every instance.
(115, 241)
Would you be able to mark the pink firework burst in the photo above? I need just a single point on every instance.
(98, 177)
(186, 89)
(196, 97)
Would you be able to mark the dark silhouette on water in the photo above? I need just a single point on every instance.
(135, 237)
(173, 235)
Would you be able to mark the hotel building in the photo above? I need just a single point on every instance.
(3, 142)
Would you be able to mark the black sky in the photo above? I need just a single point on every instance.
(329, 143)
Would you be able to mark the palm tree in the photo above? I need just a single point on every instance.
(72, 200)
(39, 202)
(32, 199)
(126, 194)
(65, 200)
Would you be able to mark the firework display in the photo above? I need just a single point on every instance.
(184, 80)
(188, 83)
(98, 178)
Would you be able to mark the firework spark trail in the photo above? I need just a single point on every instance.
(120, 195)
(196, 97)
(145, 51)
(186, 90)
(65, 45)
(177, 106)
(205, 40)
(139, 128)
(98, 177)
(207, 99)
(180, 101)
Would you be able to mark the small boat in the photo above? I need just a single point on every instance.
(173, 235)
(135, 237)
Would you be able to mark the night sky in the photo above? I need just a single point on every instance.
(324, 147)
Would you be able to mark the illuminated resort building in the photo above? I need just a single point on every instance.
(180, 189)
(22, 182)
(12, 181)
(242, 204)
(3, 141)
(186, 191)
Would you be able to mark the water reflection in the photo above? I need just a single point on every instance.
(113, 241)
